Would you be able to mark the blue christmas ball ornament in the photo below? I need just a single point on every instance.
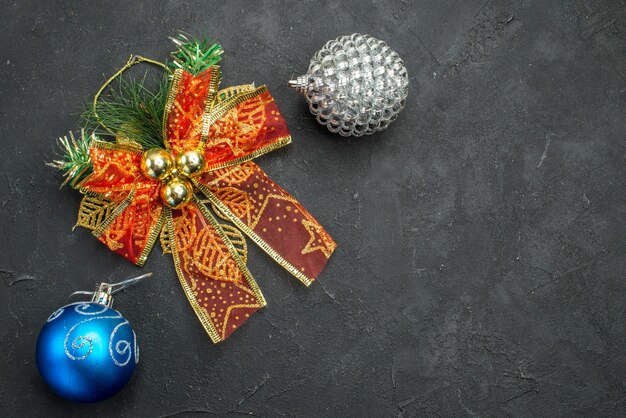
(87, 351)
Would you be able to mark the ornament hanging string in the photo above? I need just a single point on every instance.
(133, 60)
(113, 288)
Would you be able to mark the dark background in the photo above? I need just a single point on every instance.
(480, 267)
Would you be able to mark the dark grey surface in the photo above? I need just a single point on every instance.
(480, 268)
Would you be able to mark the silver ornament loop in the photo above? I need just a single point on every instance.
(356, 85)
(102, 295)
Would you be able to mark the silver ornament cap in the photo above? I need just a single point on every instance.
(356, 85)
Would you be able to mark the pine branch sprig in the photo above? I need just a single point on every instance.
(75, 162)
(131, 111)
(194, 55)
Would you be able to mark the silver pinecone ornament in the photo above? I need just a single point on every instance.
(356, 85)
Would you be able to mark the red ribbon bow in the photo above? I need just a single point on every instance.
(229, 128)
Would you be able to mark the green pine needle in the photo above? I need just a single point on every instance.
(193, 55)
(131, 111)
(76, 161)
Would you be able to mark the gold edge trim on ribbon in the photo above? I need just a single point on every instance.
(116, 212)
(210, 101)
(128, 187)
(307, 281)
(115, 146)
(233, 251)
(279, 143)
(204, 319)
(237, 89)
(225, 106)
(169, 103)
(91, 193)
(154, 234)
(214, 86)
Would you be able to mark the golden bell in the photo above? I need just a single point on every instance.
(156, 163)
(190, 163)
(176, 193)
